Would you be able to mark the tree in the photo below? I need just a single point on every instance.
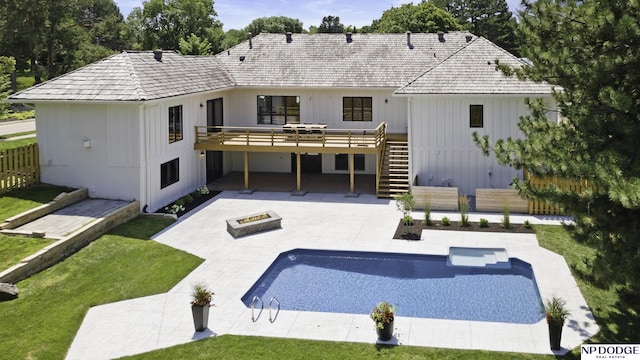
(589, 48)
(488, 18)
(274, 25)
(331, 24)
(233, 37)
(422, 18)
(163, 23)
(194, 46)
(7, 67)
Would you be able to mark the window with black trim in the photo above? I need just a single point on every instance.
(278, 110)
(357, 108)
(175, 123)
(476, 116)
(342, 162)
(169, 173)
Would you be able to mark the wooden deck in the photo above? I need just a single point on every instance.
(254, 139)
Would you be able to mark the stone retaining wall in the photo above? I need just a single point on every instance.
(61, 249)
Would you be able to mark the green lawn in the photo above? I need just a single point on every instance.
(17, 143)
(20, 200)
(15, 248)
(121, 265)
(9, 136)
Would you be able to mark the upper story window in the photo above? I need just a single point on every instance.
(357, 108)
(175, 123)
(169, 173)
(278, 110)
(476, 116)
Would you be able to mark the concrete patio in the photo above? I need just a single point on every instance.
(319, 221)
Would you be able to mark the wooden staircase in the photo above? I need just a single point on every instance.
(394, 174)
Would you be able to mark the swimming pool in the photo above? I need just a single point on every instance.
(418, 285)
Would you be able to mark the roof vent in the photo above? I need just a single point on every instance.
(349, 39)
(157, 54)
(468, 37)
(289, 39)
(250, 43)
(242, 58)
(441, 36)
(409, 40)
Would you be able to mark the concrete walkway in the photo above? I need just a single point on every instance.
(318, 221)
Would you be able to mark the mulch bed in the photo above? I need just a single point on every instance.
(197, 201)
(414, 231)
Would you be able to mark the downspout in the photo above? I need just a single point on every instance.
(409, 143)
(144, 192)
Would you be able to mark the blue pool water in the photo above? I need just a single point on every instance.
(418, 285)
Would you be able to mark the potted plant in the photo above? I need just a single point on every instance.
(556, 313)
(383, 315)
(200, 302)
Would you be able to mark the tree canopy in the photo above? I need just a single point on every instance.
(590, 49)
(163, 23)
(422, 18)
(487, 18)
(7, 67)
(331, 24)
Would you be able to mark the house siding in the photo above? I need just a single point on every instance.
(109, 168)
(442, 149)
(160, 151)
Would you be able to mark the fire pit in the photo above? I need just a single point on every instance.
(250, 224)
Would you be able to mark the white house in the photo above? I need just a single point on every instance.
(133, 125)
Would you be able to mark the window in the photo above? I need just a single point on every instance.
(278, 110)
(342, 162)
(175, 123)
(169, 173)
(357, 109)
(476, 117)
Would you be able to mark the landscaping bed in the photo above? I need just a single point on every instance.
(414, 231)
(189, 205)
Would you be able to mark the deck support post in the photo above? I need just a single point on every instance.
(298, 171)
(351, 174)
(246, 170)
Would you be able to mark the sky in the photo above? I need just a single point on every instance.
(237, 14)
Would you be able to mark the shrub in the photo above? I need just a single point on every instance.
(484, 223)
(188, 199)
(427, 211)
(463, 204)
(446, 221)
(527, 224)
(179, 202)
(506, 222)
(408, 220)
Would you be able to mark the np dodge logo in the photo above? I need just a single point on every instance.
(610, 351)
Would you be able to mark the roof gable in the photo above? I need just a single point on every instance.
(472, 70)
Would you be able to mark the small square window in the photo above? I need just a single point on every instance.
(476, 116)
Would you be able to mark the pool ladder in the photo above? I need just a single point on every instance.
(271, 307)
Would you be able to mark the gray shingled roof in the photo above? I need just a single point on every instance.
(328, 60)
(456, 63)
(133, 76)
(472, 70)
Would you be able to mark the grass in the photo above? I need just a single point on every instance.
(121, 265)
(250, 347)
(18, 115)
(15, 248)
(9, 136)
(4, 145)
(21, 200)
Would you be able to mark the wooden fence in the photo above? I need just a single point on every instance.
(542, 208)
(19, 168)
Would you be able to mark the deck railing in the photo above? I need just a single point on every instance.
(257, 136)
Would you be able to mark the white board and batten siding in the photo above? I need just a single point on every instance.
(442, 149)
(159, 150)
(316, 106)
(90, 145)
